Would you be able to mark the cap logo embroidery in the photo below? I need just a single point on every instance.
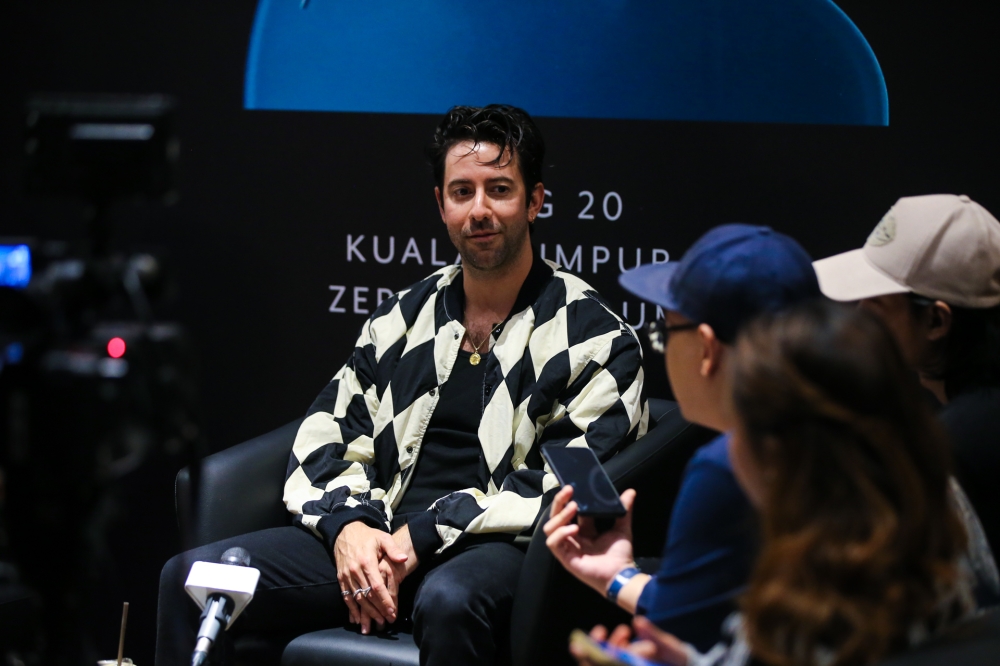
(884, 233)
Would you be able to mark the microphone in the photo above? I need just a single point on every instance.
(222, 590)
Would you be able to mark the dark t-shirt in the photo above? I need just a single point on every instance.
(972, 420)
(450, 453)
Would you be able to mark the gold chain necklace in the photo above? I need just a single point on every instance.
(476, 358)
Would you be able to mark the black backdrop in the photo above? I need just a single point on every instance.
(268, 199)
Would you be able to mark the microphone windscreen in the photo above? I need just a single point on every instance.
(236, 556)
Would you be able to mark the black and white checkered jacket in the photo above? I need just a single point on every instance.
(564, 370)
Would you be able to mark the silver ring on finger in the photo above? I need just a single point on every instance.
(345, 593)
(365, 592)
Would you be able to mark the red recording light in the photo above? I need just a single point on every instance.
(116, 347)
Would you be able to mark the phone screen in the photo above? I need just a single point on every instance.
(593, 491)
(601, 654)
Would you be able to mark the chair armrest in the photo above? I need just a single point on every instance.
(240, 489)
(658, 408)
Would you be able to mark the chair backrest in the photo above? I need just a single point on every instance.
(239, 489)
(654, 466)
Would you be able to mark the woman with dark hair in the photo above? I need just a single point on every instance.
(863, 543)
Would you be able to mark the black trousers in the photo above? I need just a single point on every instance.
(459, 603)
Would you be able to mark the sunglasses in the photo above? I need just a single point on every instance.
(658, 332)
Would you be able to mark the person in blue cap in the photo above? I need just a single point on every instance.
(729, 276)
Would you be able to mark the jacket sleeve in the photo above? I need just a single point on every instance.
(331, 470)
(603, 408)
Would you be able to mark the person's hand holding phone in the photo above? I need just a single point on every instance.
(595, 559)
(652, 645)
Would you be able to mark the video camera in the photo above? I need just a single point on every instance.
(97, 395)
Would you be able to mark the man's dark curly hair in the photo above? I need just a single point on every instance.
(500, 124)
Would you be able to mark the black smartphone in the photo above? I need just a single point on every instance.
(593, 491)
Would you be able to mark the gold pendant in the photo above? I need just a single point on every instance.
(474, 359)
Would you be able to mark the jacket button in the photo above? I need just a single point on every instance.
(433, 391)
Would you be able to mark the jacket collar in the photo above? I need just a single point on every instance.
(531, 289)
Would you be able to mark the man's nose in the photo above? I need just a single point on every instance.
(480, 207)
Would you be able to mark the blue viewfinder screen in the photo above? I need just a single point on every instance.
(15, 266)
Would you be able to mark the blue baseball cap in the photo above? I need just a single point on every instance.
(729, 276)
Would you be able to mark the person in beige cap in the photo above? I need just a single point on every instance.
(931, 271)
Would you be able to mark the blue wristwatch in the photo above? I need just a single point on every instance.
(621, 578)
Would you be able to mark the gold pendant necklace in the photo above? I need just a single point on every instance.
(476, 358)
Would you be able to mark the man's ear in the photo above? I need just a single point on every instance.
(535, 201)
(437, 196)
(711, 351)
(940, 321)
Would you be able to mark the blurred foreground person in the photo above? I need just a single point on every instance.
(863, 551)
(931, 271)
(728, 277)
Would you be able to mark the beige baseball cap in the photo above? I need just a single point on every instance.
(941, 246)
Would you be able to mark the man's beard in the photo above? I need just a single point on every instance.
(496, 259)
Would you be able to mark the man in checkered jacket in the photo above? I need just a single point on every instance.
(420, 461)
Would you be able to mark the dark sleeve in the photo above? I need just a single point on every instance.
(972, 422)
(424, 535)
(709, 553)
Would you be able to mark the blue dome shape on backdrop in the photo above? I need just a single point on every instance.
(797, 61)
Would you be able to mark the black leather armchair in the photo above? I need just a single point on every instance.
(240, 490)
